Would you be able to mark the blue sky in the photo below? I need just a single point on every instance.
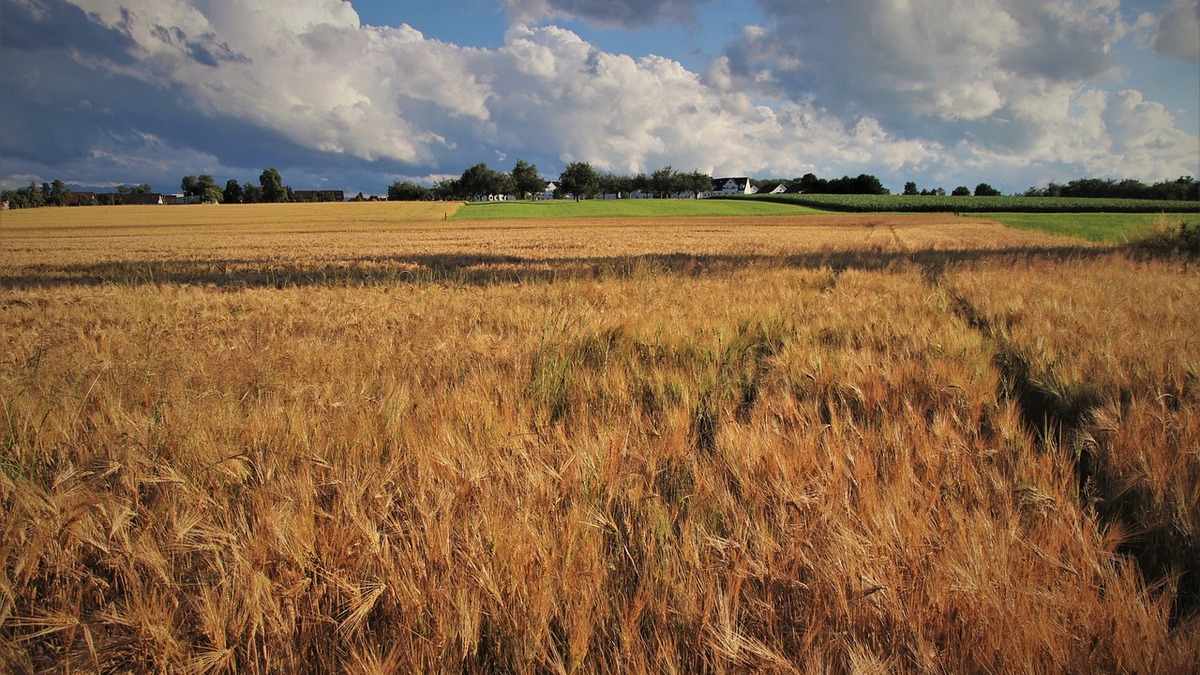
(356, 95)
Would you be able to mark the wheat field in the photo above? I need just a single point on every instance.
(376, 440)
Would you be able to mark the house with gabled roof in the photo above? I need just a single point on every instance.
(735, 185)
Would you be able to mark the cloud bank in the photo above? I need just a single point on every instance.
(932, 88)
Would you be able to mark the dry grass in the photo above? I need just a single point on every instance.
(691, 451)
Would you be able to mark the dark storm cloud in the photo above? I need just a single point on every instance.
(621, 13)
(1179, 31)
(55, 24)
(204, 49)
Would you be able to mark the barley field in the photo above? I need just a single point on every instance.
(373, 438)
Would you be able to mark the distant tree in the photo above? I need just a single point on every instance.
(698, 182)
(1183, 188)
(25, 198)
(273, 190)
(58, 194)
(408, 192)
(866, 184)
(251, 193)
(640, 183)
(611, 183)
(526, 179)
(910, 188)
(661, 181)
(985, 190)
(207, 183)
(447, 189)
(961, 191)
(503, 184)
(479, 182)
(232, 193)
(190, 186)
(142, 189)
(810, 184)
(579, 179)
(359, 198)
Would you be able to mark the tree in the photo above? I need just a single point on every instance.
(985, 190)
(810, 184)
(408, 192)
(640, 183)
(663, 183)
(251, 193)
(698, 182)
(272, 186)
(614, 184)
(910, 188)
(526, 179)
(580, 180)
(58, 194)
(447, 189)
(480, 181)
(190, 186)
(212, 195)
(232, 193)
(961, 191)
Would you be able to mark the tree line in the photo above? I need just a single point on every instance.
(269, 190)
(582, 181)
(578, 179)
(1184, 188)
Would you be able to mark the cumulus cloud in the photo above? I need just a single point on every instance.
(1179, 31)
(881, 86)
(625, 114)
(317, 78)
(1004, 78)
(620, 13)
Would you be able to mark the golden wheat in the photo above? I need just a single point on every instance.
(636, 450)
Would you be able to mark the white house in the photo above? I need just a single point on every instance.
(548, 192)
(736, 185)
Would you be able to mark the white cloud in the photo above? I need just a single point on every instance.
(318, 78)
(894, 86)
(998, 80)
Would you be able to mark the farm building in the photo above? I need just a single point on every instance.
(141, 198)
(317, 196)
(737, 185)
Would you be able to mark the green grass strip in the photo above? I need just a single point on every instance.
(626, 208)
(969, 204)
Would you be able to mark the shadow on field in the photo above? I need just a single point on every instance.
(486, 269)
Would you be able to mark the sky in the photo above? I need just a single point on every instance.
(357, 95)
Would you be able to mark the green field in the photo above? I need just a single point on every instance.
(625, 208)
(1107, 228)
(1111, 221)
(948, 204)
